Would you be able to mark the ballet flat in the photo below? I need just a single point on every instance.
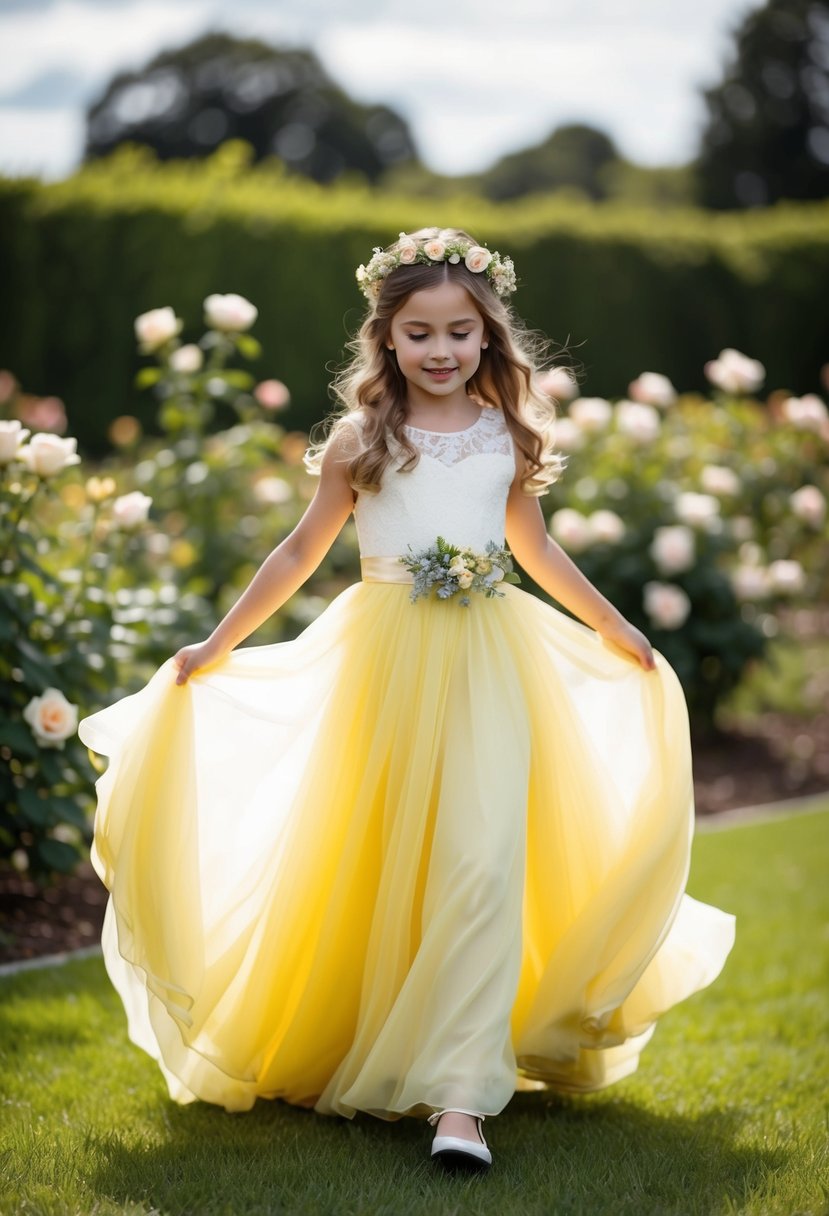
(453, 1151)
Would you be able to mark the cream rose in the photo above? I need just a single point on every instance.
(52, 718)
(187, 359)
(719, 479)
(698, 510)
(606, 526)
(558, 383)
(809, 505)
(806, 413)
(477, 259)
(435, 249)
(652, 388)
(130, 510)
(666, 605)
(407, 252)
(734, 372)
(590, 414)
(465, 579)
(673, 548)
(571, 529)
(640, 422)
(12, 435)
(230, 313)
(47, 454)
(154, 328)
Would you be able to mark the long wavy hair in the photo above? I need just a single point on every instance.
(372, 383)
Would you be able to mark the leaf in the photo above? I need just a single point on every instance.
(248, 346)
(511, 578)
(40, 811)
(19, 738)
(148, 376)
(58, 855)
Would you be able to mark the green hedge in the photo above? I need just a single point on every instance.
(632, 289)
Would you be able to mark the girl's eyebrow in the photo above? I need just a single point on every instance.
(426, 325)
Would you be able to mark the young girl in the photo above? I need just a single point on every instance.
(434, 849)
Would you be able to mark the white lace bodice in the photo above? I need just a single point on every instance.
(458, 489)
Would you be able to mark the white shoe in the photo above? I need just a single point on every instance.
(454, 1150)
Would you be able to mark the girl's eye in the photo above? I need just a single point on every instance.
(460, 337)
(417, 337)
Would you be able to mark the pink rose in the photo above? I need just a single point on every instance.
(436, 250)
(477, 259)
(407, 252)
(272, 394)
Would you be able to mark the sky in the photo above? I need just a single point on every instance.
(475, 79)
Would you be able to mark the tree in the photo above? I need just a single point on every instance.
(187, 101)
(767, 132)
(574, 155)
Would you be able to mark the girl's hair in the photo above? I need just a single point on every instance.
(373, 384)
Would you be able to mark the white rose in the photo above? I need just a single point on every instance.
(12, 434)
(230, 313)
(639, 422)
(558, 383)
(787, 576)
(272, 491)
(591, 414)
(187, 359)
(809, 505)
(806, 413)
(46, 454)
(606, 526)
(407, 252)
(571, 529)
(568, 436)
(666, 605)
(652, 388)
(698, 510)
(51, 717)
(131, 509)
(154, 328)
(477, 259)
(435, 249)
(465, 579)
(734, 372)
(718, 479)
(750, 582)
(457, 566)
(673, 548)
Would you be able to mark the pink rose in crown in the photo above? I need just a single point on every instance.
(477, 259)
(407, 252)
(435, 249)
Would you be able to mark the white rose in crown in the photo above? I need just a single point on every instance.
(46, 454)
(230, 313)
(12, 434)
(435, 249)
(52, 718)
(156, 327)
(407, 251)
(130, 510)
(477, 259)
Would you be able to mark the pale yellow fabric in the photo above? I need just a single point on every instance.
(420, 856)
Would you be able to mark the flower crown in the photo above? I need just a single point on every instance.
(408, 250)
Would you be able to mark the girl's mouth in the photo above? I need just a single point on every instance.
(440, 373)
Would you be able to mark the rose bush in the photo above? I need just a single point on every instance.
(716, 515)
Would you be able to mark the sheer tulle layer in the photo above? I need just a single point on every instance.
(420, 856)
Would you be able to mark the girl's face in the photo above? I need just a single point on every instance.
(437, 336)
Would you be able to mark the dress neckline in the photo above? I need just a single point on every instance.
(464, 431)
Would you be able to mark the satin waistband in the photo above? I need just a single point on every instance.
(384, 570)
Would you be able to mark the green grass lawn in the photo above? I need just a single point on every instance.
(728, 1112)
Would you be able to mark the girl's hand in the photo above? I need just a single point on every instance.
(631, 640)
(190, 658)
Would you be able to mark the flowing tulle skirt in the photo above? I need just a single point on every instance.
(421, 856)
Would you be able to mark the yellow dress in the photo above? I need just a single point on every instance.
(422, 855)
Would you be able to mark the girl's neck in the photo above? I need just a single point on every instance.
(443, 415)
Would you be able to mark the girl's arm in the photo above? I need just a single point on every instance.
(287, 567)
(549, 566)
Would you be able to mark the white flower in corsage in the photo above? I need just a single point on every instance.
(446, 569)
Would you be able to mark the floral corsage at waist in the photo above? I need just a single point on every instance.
(448, 570)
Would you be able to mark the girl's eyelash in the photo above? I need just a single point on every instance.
(420, 337)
